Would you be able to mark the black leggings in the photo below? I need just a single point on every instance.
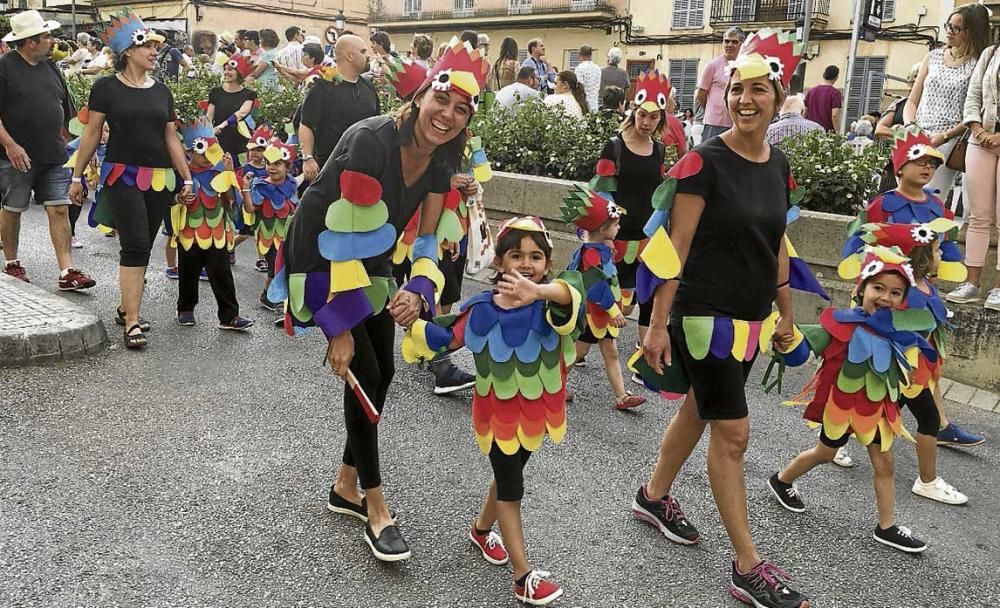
(215, 261)
(373, 365)
(645, 312)
(137, 216)
(508, 472)
(74, 215)
(925, 410)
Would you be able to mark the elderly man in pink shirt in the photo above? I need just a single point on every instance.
(711, 93)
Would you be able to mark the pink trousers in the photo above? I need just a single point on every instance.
(982, 179)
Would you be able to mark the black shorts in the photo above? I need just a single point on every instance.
(626, 273)
(454, 272)
(719, 385)
(588, 337)
(836, 444)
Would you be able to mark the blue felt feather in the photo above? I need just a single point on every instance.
(347, 246)
(659, 218)
(881, 354)
(859, 349)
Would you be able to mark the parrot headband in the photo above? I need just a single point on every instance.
(770, 53)
(126, 30)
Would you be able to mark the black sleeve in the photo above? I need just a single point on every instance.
(440, 178)
(213, 98)
(701, 183)
(249, 95)
(171, 112)
(608, 151)
(100, 95)
(312, 106)
(3, 87)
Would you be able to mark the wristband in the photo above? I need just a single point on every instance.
(307, 157)
(76, 180)
(188, 182)
(231, 120)
(780, 285)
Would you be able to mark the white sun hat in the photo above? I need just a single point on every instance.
(28, 24)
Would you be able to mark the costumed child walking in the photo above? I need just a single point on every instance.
(867, 353)
(203, 228)
(522, 337)
(271, 201)
(255, 166)
(914, 159)
(599, 216)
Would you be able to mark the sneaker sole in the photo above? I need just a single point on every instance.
(848, 464)
(939, 499)
(638, 380)
(487, 557)
(80, 288)
(955, 444)
(899, 547)
(346, 511)
(240, 329)
(183, 324)
(781, 502)
(386, 557)
(541, 602)
(651, 519)
(447, 390)
(962, 300)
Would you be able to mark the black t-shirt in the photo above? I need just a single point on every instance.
(34, 107)
(331, 107)
(638, 177)
(137, 118)
(370, 147)
(732, 268)
(226, 104)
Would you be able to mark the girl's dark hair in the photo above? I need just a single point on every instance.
(976, 21)
(449, 155)
(120, 61)
(613, 97)
(508, 51)
(315, 51)
(859, 292)
(569, 77)
(512, 239)
(269, 38)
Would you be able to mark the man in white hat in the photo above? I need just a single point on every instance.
(35, 107)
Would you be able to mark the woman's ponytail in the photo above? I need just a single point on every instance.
(569, 77)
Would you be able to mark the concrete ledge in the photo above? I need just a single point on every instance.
(39, 327)
(973, 350)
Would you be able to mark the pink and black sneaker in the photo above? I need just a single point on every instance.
(490, 545)
(764, 587)
(536, 588)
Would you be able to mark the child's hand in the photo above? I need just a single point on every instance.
(247, 180)
(519, 290)
(227, 161)
(618, 322)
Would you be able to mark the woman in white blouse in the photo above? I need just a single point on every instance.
(569, 94)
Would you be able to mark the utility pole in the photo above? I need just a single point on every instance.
(859, 15)
(73, 10)
(806, 29)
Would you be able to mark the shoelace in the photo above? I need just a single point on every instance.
(492, 540)
(793, 491)
(904, 531)
(535, 578)
(766, 573)
(672, 509)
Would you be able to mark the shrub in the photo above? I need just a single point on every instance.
(835, 179)
(542, 140)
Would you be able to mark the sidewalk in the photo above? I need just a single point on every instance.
(40, 327)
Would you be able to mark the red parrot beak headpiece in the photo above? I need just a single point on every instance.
(770, 53)
(906, 237)
(460, 69)
(405, 76)
(878, 260)
(587, 209)
(280, 151)
(911, 143)
(652, 91)
(260, 138)
(239, 63)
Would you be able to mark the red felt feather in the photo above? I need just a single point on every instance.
(360, 189)
(691, 164)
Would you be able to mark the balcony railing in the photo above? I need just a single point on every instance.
(737, 12)
(495, 8)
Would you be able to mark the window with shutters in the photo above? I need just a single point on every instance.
(463, 8)
(744, 11)
(684, 78)
(688, 14)
(519, 7)
(582, 5)
(867, 85)
(888, 10)
(412, 8)
(574, 59)
(522, 54)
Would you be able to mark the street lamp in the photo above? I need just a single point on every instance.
(340, 21)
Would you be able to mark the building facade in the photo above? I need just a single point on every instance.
(681, 36)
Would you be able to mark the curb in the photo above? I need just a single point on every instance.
(39, 327)
(969, 395)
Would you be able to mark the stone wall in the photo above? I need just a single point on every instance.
(974, 349)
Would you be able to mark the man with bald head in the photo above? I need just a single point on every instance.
(331, 107)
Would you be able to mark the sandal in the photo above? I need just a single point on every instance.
(629, 401)
(120, 320)
(135, 341)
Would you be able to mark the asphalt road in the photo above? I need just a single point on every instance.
(196, 474)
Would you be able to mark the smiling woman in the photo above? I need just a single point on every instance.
(335, 266)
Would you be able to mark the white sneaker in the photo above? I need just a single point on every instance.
(843, 459)
(963, 294)
(939, 490)
(75, 243)
(993, 299)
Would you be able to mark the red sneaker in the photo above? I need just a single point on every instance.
(75, 280)
(629, 401)
(15, 270)
(537, 590)
(491, 546)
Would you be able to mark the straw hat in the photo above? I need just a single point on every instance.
(28, 24)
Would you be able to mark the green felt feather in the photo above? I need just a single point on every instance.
(698, 334)
(673, 380)
(551, 378)
(569, 348)
(631, 252)
(850, 384)
(482, 364)
(855, 370)
(449, 227)
(213, 220)
(296, 297)
(663, 196)
(196, 215)
(795, 196)
(875, 387)
(894, 391)
(817, 337)
(913, 320)
(379, 292)
(344, 216)
(855, 225)
(603, 183)
(530, 387)
(503, 371)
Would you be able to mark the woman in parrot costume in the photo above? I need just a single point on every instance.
(868, 354)
(521, 335)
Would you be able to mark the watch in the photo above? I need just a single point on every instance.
(307, 157)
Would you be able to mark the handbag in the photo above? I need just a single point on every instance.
(956, 158)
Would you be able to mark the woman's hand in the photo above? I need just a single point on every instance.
(310, 169)
(76, 193)
(656, 348)
(186, 194)
(938, 139)
(455, 249)
(990, 141)
(784, 334)
(405, 307)
(340, 352)
(465, 184)
(518, 290)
